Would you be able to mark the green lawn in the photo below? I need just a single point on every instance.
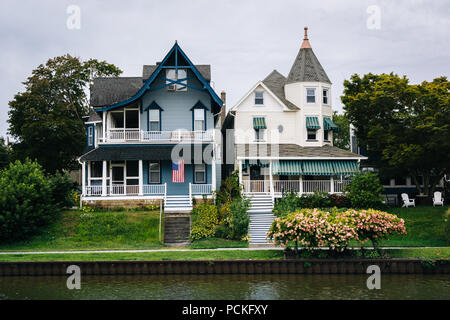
(76, 230)
(214, 243)
(428, 253)
(425, 226)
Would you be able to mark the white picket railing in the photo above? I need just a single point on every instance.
(311, 186)
(256, 186)
(201, 189)
(136, 135)
(339, 185)
(304, 186)
(150, 189)
(130, 190)
(94, 190)
(286, 186)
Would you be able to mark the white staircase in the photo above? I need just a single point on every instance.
(177, 203)
(261, 217)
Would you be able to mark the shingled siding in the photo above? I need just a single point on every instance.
(166, 177)
(177, 106)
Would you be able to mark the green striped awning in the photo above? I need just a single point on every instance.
(345, 167)
(328, 124)
(312, 123)
(255, 163)
(287, 167)
(318, 168)
(259, 123)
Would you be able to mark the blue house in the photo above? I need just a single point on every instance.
(154, 136)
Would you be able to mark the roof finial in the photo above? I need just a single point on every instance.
(176, 41)
(305, 43)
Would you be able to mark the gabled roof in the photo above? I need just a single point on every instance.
(108, 91)
(306, 67)
(275, 81)
(176, 57)
(204, 69)
(93, 117)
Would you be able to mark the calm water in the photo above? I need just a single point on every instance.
(199, 287)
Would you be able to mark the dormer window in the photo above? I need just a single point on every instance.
(325, 96)
(259, 98)
(199, 119)
(154, 119)
(176, 75)
(90, 135)
(311, 95)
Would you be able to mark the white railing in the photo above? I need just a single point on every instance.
(124, 135)
(154, 189)
(311, 186)
(340, 185)
(201, 189)
(94, 190)
(286, 186)
(256, 186)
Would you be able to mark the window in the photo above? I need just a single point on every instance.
(311, 134)
(325, 96)
(132, 119)
(259, 97)
(172, 74)
(200, 173)
(154, 172)
(259, 134)
(199, 119)
(311, 95)
(326, 135)
(117, 119)
(154, 118)
(90, 135)
(96, 169)
(133, 173)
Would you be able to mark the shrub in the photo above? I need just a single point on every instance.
(364, 191)
(240, 220)
(62, 187)
(26, 201)
(289, 202)
(339, 201)
(205, 218)
(335, 229)
(229, 190)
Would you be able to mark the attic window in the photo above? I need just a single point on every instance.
(259, 97)
(172, 74)
(311, 95)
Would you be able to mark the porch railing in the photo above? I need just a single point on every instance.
(136, 135)
(304, 186)
(154, 189)
(201, 189)
(123, 190)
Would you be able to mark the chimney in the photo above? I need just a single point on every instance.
(223, 112)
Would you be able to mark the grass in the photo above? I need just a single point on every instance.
(76, 230)
(426, 253)
(213, 243)
(425, 227)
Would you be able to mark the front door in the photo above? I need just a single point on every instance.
(257, 183)
(118, 179)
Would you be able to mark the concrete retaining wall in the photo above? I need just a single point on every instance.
(300, 266)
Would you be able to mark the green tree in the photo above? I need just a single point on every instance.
(404, 127)
(364, 191)
(46, 119)
(341, 138)
(4, 154)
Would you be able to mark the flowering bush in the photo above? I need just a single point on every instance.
(314, 228)
(204, 220)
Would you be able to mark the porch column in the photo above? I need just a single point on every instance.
(83, 178)
(270, 177)
(104, 179)
(301, 185)
(141, 179)
(332, 184)
(104, 126)
(213, 178)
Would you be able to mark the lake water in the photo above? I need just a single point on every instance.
(199, 287)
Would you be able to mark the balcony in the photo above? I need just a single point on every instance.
(139, 136)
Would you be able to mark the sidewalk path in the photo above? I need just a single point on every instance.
(181, 250)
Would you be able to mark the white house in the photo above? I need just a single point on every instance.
(280, 134)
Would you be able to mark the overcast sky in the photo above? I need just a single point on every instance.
(243, 40)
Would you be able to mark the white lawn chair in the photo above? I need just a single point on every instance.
(408, 202)
(437, 199)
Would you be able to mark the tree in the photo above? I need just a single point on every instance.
(4, 154)
(341, 138)
(46, 119)
(404, 127)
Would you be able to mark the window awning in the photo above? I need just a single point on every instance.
(328, 124)
(255, 163)
(259, 123)
(312, 123)
(287, 168)
(318, 168)
(344, 167)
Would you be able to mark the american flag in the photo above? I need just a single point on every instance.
(178, 171)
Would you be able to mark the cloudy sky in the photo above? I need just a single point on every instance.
(243, 40)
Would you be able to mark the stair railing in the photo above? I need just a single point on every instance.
(190, 194)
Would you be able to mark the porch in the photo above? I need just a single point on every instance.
(115, 135)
